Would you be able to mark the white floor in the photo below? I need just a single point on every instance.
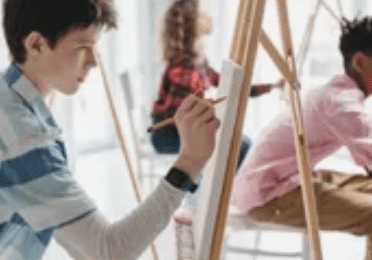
(106, 179)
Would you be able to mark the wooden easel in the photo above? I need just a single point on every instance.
(124, 149)
(247, 35)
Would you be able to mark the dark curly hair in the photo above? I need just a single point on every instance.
(179, 29)
(53, 19)
(356, 36)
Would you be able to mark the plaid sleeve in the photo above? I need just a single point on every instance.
(180, 76)
(214, 76)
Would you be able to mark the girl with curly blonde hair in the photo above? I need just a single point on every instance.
(187, 72)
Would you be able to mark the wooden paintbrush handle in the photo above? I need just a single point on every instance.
(171, 121)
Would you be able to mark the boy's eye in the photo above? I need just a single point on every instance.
(85, 47)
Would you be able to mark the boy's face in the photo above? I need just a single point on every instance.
(68, 63)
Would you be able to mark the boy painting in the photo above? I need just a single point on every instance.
(52, 44)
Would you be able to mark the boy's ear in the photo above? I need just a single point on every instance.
(358, 62)
(34, 44)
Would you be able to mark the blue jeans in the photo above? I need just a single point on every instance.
(167, 141)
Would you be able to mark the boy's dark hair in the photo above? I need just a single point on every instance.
(356, 36)
(53, 19)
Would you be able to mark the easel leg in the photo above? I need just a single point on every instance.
(301, 144)
(250, 46)
(124, 149)
(242, 30)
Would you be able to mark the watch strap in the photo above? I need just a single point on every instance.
(181, 180)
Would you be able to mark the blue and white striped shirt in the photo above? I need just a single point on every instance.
(37, 192)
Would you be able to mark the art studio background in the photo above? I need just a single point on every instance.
(132, 58)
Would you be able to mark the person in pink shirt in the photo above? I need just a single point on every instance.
(267, 187)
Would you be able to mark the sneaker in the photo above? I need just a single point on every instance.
(184, 217)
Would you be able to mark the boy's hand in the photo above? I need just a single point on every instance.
(197, 126)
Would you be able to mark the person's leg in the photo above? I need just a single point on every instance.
(165, 140)
(344, 203)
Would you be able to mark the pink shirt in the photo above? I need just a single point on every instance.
(334, 116)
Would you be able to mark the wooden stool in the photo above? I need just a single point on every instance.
(238, 221)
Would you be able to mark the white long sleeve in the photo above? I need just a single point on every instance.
(94, 238)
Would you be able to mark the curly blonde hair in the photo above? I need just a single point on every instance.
(179, 29)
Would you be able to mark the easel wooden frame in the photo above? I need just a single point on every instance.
(204, 219)
(248, 33)
(123, 146)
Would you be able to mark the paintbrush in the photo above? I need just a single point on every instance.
(171, 121)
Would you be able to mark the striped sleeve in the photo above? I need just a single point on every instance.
(40, 188)
(35, 181)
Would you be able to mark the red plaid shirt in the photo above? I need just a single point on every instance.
(181, 78)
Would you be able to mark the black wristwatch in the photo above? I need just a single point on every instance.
(181, 180)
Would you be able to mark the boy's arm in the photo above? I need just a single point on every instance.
(94, 238)
(126, 239)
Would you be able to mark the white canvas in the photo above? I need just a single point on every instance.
(214, 172)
